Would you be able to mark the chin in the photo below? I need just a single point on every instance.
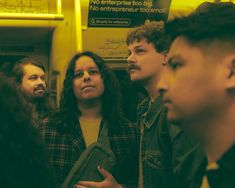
(173, 119)
(135, 79)
(39, 96)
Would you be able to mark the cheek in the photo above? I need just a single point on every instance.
(27, 85)
(186, 91)
(76, 87)
(193, 98)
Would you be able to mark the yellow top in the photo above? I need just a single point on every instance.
(90, 130)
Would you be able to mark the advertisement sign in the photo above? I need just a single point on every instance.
(126, 13)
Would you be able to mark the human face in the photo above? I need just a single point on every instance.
(88, 83)
(144, 62)
(192, 84)
(34, 81)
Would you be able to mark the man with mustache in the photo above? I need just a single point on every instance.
(164, 148)
(30, 75)
(145, 66)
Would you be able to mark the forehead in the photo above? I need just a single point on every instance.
(142, 43)
(181, 48)
(30, 69)
(85, 62)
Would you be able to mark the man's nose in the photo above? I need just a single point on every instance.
(41, 81)
(130, 59)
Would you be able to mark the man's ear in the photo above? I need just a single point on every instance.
(230, 84)
(165, 59)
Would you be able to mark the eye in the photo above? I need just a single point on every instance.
(174, 65)
(93, 72)
(140, 50)
(43, 78)
(33, 77)
(78, 74)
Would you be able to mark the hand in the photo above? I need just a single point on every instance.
(108, 182)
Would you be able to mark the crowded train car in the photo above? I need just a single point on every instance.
(117, 93)
(52, 31)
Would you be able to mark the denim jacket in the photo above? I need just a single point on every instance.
(170, 158)
(156, 148)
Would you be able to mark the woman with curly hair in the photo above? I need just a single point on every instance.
(90, 111)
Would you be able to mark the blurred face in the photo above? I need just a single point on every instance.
(192, 84)
(144, 62)
(88, 83)
(34, 81)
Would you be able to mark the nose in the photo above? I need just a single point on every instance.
(130, 59)
(86, 76)
(162, 85)
(41, 81)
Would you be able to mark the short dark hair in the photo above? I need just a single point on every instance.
(151, 32)
(111, 100)
(17, 71)
(210, 22)
(22, 160)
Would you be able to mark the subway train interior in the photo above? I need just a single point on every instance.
(53, 30)
(117, 93)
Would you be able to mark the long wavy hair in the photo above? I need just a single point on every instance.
(23, 161)
(43, 105)
(111, 99)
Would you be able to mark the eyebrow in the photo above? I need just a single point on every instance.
(87, 69)
(37, 74)
(137, 46)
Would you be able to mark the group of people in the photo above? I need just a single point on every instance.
(184, 135)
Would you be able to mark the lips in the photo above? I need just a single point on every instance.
(132, 69)
(166, 102)
(40, 92)
(87, 87)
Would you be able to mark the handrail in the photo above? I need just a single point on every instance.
(35, 16)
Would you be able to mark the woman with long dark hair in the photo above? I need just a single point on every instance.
(90, 111)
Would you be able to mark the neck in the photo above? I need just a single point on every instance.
(90, 109)
(219, 140)
(217, 134)
(151, 88)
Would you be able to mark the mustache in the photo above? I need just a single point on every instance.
(133, 66)
(40, 87)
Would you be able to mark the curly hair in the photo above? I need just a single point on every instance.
(210, 22)
(22, 159)
(151, 32)
(111, 99)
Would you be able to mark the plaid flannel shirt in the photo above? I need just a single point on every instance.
(64, 144)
